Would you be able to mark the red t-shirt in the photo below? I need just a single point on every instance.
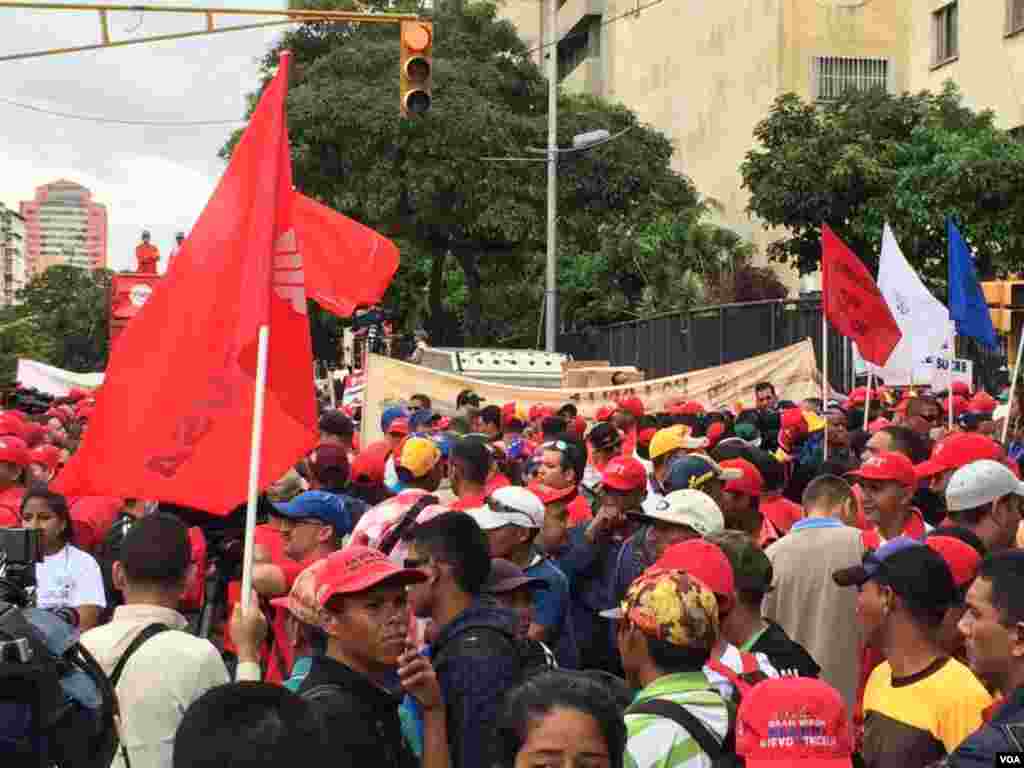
(913, 528)
(781, 511)
(10, 506)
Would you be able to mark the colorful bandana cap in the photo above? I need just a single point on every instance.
(674, 607)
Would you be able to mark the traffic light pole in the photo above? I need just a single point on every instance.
(550, 288)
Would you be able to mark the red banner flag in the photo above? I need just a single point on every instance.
(173, 421)
(852, 302)
(347, 265)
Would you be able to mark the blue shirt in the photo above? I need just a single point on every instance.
(816, 522)
(551, 610)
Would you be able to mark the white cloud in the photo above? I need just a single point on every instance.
(156, 178)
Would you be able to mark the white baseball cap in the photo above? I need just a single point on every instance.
(980, 482)
(689, 507)
(510, 505)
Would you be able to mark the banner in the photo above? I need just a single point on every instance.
(54, 381)
(930, 372)
(793, 370)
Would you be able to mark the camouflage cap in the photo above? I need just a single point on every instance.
(674, 607)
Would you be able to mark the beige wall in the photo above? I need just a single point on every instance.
(704, 73)
(990, 67)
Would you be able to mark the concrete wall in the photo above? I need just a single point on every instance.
(990, 66)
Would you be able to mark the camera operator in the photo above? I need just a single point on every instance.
(14, 459)
(68, 581)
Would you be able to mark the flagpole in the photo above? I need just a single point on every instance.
(254, 463)
(824, 372)
(867, 403)
(949, 372)
(1013, 386)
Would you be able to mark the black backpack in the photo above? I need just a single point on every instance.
(721, 755)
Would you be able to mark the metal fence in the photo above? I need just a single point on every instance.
(702, 338)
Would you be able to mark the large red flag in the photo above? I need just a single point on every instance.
(852, 302)
(347, 264)
(173, 421)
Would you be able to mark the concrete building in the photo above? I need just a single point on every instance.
(13, 264)
(977, 45)
(704, 73)
(65, 226)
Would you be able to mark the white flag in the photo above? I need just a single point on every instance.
(923, 319)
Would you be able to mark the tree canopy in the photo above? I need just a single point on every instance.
(871, 157)
(472, 229)
(62, 319)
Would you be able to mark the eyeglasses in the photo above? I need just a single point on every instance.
(506, 509)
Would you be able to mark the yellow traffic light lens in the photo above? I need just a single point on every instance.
(417, 102)
(417, 69)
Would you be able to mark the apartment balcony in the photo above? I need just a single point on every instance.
(572, 12)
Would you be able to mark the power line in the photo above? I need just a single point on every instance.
(632, 12)
(117, 121)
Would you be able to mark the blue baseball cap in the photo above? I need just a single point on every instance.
(330, 508)
(694, 471)
(421, 418)
(873, 561)
(389, 415)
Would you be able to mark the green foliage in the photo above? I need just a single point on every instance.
(62, 319)
(869, 158)
(471, 230)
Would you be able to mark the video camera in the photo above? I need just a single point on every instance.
(20, 550)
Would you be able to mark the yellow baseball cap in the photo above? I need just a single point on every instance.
(419, 456)
(673, 438)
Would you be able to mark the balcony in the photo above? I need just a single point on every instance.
(572, 12)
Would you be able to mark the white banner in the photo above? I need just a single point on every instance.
(54, 381)
(928, 372)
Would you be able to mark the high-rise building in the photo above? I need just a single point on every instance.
(64, 226)
(13, 266)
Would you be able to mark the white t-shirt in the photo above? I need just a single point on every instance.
(732, 659)
(69, 579)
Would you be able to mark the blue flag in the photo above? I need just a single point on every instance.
(966, 302)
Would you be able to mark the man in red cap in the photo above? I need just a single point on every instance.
(963, 561)
(888, 482)
(953, 452)
(740, 503)
(14, 460)
(363, 610)
(628, 412)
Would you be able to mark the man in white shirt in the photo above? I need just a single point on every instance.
(170, 669)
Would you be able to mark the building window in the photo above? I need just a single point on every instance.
(1014, 16)
(834, 75)
(945, 37)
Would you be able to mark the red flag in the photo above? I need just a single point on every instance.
(346, 264)
(173, 421)
(852, 302)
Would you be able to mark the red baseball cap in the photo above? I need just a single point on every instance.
(961, 557)
(624, 473)
(793, 418)
(961, 388)
(550, 495)
(47, 455)
(702, 560)
(632, 405)
(752, 482)
(399, 426)
(878, 425)
(11, 425)
(957, 450)
(687, 408)
(13, 450)
(368, 467)
(604, 413)
(644, 436)
(982, 402)
(356, 569)
(714, 433)
(887, 466)
(960, 404)
(794, 721)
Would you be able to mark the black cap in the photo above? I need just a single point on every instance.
(468, 397)
(336, 423)
(604, 437)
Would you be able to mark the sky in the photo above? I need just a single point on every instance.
(149, 177)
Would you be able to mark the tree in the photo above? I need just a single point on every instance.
(471, 230)
(62, 319)
(871, 157)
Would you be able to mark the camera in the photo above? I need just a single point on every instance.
(17, 651)
(20, 550)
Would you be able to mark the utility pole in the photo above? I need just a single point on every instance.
(550, 294)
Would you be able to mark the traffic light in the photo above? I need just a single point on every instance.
(417, 66)
(1005, 299)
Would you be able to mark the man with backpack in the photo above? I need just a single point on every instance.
(156, 668)
(668, 627)
(475, 647)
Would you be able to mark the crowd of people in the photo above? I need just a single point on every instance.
(832, 583)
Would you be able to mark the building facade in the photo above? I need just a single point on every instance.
(65, 226)
(13, 262)
(977, 45)
(705, 73)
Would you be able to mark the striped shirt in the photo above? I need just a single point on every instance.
(655, 742)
